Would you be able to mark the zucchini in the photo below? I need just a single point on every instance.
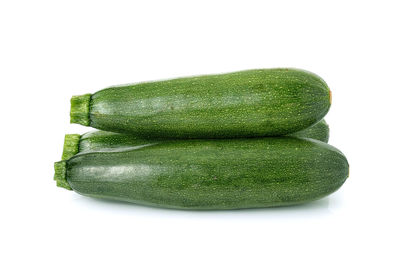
(319, 131)
(209, 174)
(100, 141)
(104, 141)
(263, 102)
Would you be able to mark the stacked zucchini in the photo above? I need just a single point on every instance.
(246, 139)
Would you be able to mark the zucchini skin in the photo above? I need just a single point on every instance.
(107, 141)
(100, 141)
(319, 131)
(209, 174)
(252, 103)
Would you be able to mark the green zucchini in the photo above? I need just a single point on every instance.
(263, 102)
(100, 141)
(103, 140)
(209, 174)
(319, 131)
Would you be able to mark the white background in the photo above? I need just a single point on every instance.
(51, 50)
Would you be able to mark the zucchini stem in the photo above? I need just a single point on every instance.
(80, 107)
(60, 174)
(71, 145)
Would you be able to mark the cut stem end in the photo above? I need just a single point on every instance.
(60, 169)
(80, 106)
(71, 145)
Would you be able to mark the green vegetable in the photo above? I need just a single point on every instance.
(100, 141)
(105, 141)
(209, 174)
(319, 131)
(263, 102)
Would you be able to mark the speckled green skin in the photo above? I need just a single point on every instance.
(263, 102)
(319, 131)
(211, 174)
(103, 140)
